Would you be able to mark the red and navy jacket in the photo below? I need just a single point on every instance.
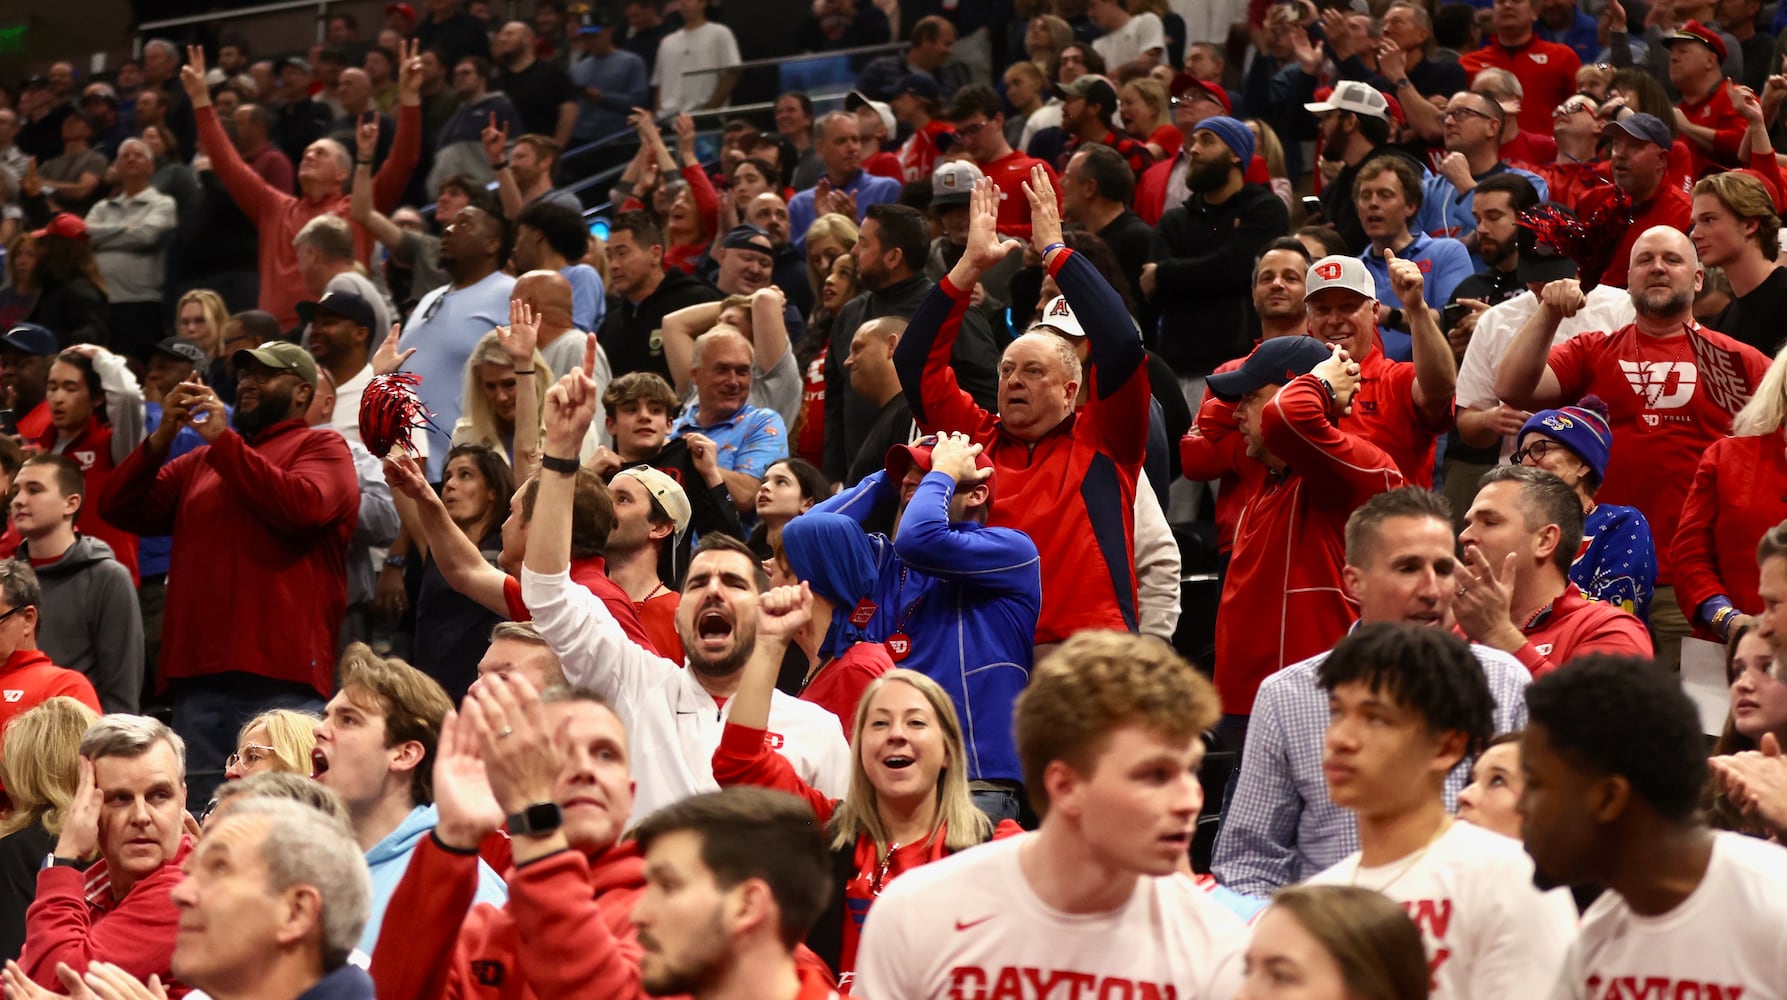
(1073, 490)
(1284, 600)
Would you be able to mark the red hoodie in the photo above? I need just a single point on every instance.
(1284, 600)
(28, 679)
(70, 923)
(573, 910)
(1573, 626)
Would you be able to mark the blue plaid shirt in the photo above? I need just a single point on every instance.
(1280, 827)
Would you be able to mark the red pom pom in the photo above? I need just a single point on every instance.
(390, 411)
(1590, 240)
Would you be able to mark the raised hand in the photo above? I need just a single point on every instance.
(366, 137)
(386, 359)
(1392, 64)
(685, 133)
(409, 71)
(80, 821)
(1045, 210)
(954, 455)
(469, 810)
(1406, 280)
(206, 414)
(783, 611)
(1340, 34)
(1485, 599)
(192, 77)
(1341, 373)
(495, 140)
(405, 477)
(1748, 104)
(570, 407)
(1613, 16)
(985, 249)
(522, 333)
(520, 754)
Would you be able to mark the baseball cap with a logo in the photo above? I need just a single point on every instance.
(1355, 96)
(952, 183)
(1694, 31)
(666, 491)
(1339, 271)
(1058, 316)
(1274, 362)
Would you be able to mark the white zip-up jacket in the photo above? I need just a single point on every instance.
(673, 724)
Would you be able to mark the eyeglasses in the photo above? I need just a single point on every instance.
(15, 611)
(1453, 114)
(1534, 452)
(1570, 107)
(971, 130)
(250, 755)
(435, 306)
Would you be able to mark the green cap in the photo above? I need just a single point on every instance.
(280, 355)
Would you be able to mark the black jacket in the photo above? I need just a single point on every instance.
(630, 333)
(848, 417)
(1204, 255)
(75, 311)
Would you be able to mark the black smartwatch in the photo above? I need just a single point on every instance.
(563, 466)
(536, 820)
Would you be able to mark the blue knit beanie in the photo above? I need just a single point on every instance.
(1581, 428)
(1234, 134)
(831, 553)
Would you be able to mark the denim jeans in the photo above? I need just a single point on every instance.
(999, 803)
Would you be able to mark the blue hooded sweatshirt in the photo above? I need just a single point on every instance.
(967, 597)
(388, 859)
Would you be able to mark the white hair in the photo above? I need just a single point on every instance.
(304, 846)
(120, 735)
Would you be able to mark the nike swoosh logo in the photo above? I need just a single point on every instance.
(962, 925)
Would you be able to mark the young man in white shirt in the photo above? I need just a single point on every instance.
(675, 712)
(1109, 733)
(1137, 40)
(700, 45)
(1614, 763)
(1405, 705)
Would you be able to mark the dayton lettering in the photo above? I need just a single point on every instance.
(1659, 988)
(1009, 983)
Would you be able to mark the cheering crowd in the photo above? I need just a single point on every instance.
(487, 519)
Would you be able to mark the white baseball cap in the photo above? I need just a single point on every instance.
(1355, 96)
(1339, 271)
(1058, 316)
(858, 99)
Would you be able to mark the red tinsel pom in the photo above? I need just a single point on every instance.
(1591, 239)
(390, 411)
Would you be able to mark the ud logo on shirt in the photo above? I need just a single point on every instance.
(85, 459)
(12, 697)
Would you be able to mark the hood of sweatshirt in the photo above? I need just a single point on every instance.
(409, 833)
(83, 553)
(619, 867)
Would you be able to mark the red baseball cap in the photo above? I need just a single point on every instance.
(401, 8)
(1185, 83)
(1694, 31)
(902, 457)
(64, 224)
(1394, 107)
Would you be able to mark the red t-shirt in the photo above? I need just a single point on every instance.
(885, 165)
(592, 575)
(657, 614)
(809, 429)
(1529, 149)
(1719, 114)
(1384, 413)
(919, 155)
(1546, 71)
(1671, 207)
(1008, 173)
(839, 685)
(1668, 400)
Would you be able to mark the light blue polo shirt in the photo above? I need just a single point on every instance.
(443, 329)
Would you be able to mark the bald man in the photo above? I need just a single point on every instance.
(1671, 388)
(353, 89)
(747, 439)
(542, 93)
(129, 233)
